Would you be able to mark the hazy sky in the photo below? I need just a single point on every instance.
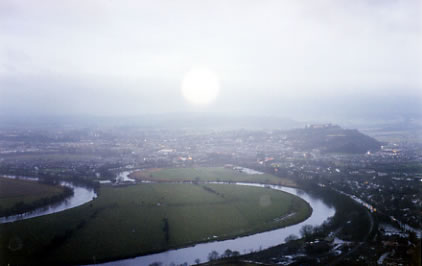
(285, 57)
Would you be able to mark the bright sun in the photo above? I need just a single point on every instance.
(200, 86)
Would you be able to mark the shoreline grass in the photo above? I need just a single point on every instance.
(126, 222)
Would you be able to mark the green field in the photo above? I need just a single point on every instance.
(146, 218)
(208, 174)
(13, 191)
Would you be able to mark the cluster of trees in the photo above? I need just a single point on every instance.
(166, 229)
(350, 216)
(22, 207)
(210, 190)
(82, 177)
(213, 255)
(171, 264)
(59, 239)
(80, 181)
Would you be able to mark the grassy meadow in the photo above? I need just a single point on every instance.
(208, 174)
(13, 191)
(146, 218)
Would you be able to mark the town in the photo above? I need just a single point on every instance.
(383, 178)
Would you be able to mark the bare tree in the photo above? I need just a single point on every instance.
(306, 231)
(290, 238)
(213, 255)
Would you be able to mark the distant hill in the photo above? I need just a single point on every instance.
(332, 139)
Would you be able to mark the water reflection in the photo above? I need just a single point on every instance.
(247, 244)
(81, 195)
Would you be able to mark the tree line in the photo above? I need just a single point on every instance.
(23, 207)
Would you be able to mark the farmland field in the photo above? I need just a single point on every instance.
(13, 191)
(146, 218)
(208, 174)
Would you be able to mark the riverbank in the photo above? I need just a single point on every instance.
(209, 174)
(243, 245)
(20, 196)
(79, 196)
(126, 220)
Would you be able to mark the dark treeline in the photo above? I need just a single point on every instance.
(22, 207)
(166, 229)
(81, 179)
(350, 222)
(210, 190)
(350, 217)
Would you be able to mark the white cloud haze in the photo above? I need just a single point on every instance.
(129, 57)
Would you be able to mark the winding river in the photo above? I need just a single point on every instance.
(246, 244)
(81, 195)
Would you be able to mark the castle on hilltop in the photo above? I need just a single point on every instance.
(321, 126)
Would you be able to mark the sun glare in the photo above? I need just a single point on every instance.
(200, 86)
